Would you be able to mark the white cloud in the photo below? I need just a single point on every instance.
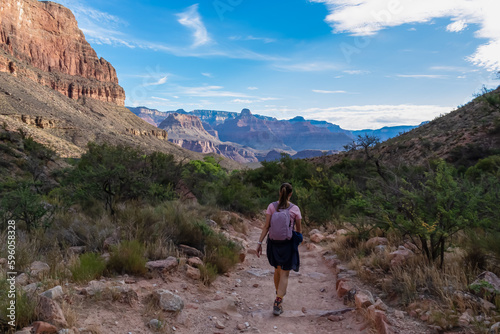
(266, 40)
(307, 67)
(242, 101)
(160, 81)
(191, 19)
(457, 26)
(367, 17)
(451, 69)
(376, 116)
(252, 88)
(422, 76)
(160, 98)
(487, 56)
(209, 91)
(356, 72)
(319, 91)
(208, 75)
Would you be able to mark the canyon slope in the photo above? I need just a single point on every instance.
(188, 132)
(55, 88)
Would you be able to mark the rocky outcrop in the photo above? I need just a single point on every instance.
(39, 121)
(187, 131)
(41, 40)
(160, 134)
(152, 116)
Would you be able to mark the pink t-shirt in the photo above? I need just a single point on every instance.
(294, 211)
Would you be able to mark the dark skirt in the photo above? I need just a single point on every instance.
(284, 253)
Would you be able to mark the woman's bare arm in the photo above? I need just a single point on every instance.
(298, 225)
(263, 234)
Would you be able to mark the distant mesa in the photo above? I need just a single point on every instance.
(188, 131)
(246, 113)
(297, 119)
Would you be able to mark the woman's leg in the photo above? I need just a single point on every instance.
(283, 282)
(277, 273)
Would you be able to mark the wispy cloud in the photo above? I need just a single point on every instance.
(368, 17)
(422, 76)
(252, 88)
(319, 91)
(160, 98)
(446, 68)
(103, 28)
(266, 40)
(356, 72)
(208, 75)
(242, 101)
(191, 19)
(359, 117)
(306, 67)
(160, 81)
(209, 91)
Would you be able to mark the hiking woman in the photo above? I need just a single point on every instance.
(282, 242)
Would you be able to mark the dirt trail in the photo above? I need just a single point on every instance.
(311, 293)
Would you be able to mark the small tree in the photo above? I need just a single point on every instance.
(432, 208)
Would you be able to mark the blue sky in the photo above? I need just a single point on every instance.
(356, 63)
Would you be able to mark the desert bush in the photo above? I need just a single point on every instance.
(128, 258)
(208, 273)
(221, 253)
(23, 204)
(88, 267)
(75, 228)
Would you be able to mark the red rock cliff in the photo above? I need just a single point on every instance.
(42, 41)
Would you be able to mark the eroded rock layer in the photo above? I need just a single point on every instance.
(41, 41)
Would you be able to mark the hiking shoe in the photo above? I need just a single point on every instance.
(277, 307)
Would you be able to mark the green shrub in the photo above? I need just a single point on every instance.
(208, 273)
(128, 258)
(222, 253)
(89, 267)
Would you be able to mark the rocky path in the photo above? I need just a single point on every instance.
(246, 295)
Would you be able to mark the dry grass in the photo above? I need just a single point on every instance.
(69, 313)
(160, 249)
(223, 218)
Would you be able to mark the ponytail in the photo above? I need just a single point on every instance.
(285, 191)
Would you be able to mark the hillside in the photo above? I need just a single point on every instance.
(462, 137)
